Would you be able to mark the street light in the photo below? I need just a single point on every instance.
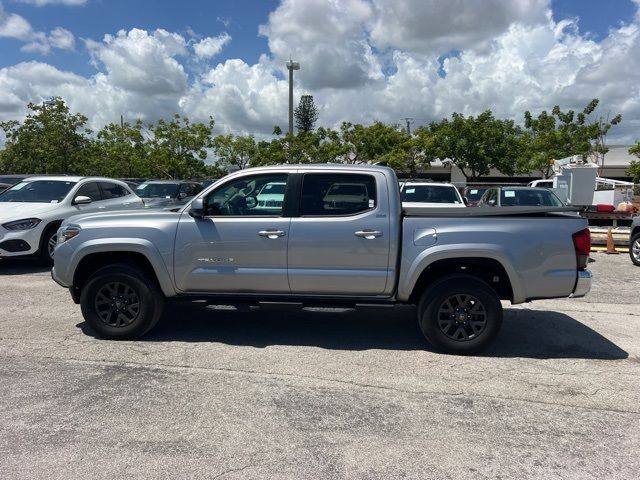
(291, 66)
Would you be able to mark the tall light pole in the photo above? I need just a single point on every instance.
(291, 66)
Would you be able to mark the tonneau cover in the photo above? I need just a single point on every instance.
(486, 211)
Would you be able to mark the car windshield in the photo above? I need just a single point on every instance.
(158, 190)
(37, 191)
(430, 194)
(273, 189)
(475, 194)
(529, 198)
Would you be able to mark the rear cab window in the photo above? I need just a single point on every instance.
(337, 194)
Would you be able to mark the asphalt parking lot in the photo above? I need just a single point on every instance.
(215, 394)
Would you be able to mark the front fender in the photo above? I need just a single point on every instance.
(68, 258)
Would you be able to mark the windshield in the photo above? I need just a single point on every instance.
(475, 194)
(430, 194)
(529, 198)
(273, 189)
(37, 191)
(158, 190)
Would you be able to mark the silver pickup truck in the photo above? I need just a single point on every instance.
(325, 235)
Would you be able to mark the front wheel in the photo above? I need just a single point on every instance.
(460, 314)
(634, 249)
(121, 302)
(48, 245)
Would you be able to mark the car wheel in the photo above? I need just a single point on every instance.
(460, 314)
(48, 245)
(121, 302)
(634, 249)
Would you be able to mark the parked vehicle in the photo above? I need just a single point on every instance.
(544, 183)
(431, 194)
(167, 193)
(519, 197)
(473, 195)
(454, 264)
(31, 211)
(634, 241)
(13, 179)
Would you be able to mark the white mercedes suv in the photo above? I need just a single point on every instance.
(31, 211)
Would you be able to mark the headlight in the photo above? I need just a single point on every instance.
(26, 224)
(67, 233)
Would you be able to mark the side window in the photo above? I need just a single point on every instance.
(337, 194)
(90, 190)
(196, 188)
(249, 196)
(112, 190)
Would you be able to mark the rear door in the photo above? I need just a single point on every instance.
(117, 197)
(339, 244)
(239, 246)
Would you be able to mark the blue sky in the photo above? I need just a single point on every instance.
(363, 60)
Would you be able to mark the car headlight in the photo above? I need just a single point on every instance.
(26, 224)
(67, 233)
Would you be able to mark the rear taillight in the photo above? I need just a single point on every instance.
(582, 244)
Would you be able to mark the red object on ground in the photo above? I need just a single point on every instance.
(604, 208)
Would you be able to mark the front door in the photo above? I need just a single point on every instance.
(339, 245)
(240, 246)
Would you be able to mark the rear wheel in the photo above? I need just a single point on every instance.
(121, 302)
(634, 249)
(460, 314)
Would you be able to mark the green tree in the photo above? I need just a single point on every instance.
(634, 167)
(562, 134)
(235, 152)
(51, 139)
(477, 144)
(306, 114)
(120, 150)
(366, 144)
(178, 147)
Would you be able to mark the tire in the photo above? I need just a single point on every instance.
(460, 314)
(47, 244)
(634, 249)
(121, 302)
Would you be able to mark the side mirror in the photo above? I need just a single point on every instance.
(81, 200)
(196, 210)
(492, 202)
(182, 196)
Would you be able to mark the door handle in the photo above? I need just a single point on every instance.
(368, 234)
(271, 233)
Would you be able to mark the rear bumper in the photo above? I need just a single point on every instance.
(583, 285)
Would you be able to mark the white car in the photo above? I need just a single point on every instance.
(32, 210)
(431, 194)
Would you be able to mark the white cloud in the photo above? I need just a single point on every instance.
(13, 25)
(429, 26)
(211, 46)
(42, 3)
(140, 62)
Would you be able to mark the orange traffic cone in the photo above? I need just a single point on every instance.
(611, 248)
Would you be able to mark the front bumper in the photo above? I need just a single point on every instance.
(583, 285)
(19, 243)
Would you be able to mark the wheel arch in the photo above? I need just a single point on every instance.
(489, 270)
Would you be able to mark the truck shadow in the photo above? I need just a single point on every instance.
(525, 333)
(24, 266)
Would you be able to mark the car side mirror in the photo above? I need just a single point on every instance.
(82, 200)
(196, 209)
(492, 203)
(182, 196)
